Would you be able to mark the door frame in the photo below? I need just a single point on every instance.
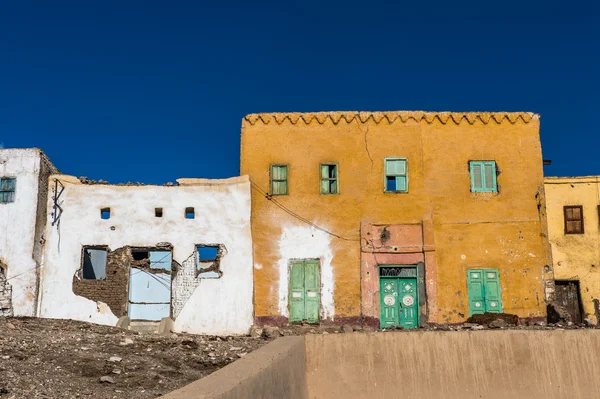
(289, 290)
(416, 276)
(580, 299)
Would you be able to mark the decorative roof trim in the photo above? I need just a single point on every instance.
(391, 117)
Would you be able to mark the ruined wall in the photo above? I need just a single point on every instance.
(20, 240)
(502, 230)
(576, 256)
(5, 293)
(113, 290)
(222, 216)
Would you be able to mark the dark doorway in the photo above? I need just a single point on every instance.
(567, 295)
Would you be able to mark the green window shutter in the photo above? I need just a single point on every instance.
(329, 179)
(394, 167)
(396, 176)
(476, 177)
(279, 179)
(483, 176)
(493, 293)
(475, 290)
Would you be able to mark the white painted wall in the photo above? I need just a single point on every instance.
(17, 226)
(222, 207)
(306, 242)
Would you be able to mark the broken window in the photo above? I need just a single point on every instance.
(573, 219)
(190, 213)
(208, 259)
(94, 263)
(158, 212)
(329, 179)
(105, 213)
(396, 175)
(7, 189)
(279, 179)
(483, 176)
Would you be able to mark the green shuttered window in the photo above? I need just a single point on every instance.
(279, 179)
(7, 189)
(329, 179)
(396, 175)
(483, 176)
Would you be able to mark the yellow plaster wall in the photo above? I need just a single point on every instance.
(471, 230)
(576, 256)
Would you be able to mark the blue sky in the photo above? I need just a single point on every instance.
(155, 90)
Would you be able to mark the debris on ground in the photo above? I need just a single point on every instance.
(51, 359)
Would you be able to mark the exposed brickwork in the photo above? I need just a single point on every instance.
(184, 284)
(114, 289)
(5, 293)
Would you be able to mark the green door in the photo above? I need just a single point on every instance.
(399, 302)
(483, 286)
(304, 290)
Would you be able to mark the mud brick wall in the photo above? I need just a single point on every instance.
(5, 295)
(114, 289)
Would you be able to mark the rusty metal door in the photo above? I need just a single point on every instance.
(567, 295)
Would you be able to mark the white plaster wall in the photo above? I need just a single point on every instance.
(17, 226)
(222, 208)
(306, 242)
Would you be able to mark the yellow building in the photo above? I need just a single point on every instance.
(573, 205)
(396, 218)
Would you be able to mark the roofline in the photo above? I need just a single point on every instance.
(571, 179)
(183, 182)
(391, 116)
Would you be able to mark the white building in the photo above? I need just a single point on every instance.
(148, 252)
(23, 196)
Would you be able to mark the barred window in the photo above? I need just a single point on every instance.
(7, 189)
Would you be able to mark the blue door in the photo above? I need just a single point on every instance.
(150, 288)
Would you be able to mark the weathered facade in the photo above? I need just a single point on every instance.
(149, 252)
(23, 194)
(574, 230)
(396, 218)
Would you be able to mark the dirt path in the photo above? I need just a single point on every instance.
(46, 358)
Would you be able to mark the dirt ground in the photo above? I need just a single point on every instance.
(46, 358)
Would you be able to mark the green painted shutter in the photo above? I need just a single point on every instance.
(475, 291)
(324, 181)
(489, 176)
(279, 177)
(297, 291)
(400, 183)
(476, 177)
(493, 294)
(312, 286)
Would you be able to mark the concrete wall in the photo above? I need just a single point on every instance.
(461, 230)
(576, 256)
(478, 364)
(22, 224)
(222, 216)
(274, 371)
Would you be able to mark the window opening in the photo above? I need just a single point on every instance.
(7, 189)
(158, 212)
(573, 219)
(279, 179)
(105, 213)
(94, 263)
(396, 175)
(190, 213)
(208, 261)
(483, 176)
(329, 179)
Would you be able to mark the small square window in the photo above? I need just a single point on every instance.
(329, 179)
(483, 176)
(105, 213)
(189, 213)
(279, 179)
(158, 212)
(396, 175)
(94, 263)
(573, 219)
(7, 189)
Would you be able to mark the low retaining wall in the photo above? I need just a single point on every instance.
(276, 370)
(491, 364)
(478, 364)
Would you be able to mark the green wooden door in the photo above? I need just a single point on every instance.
(408, 302)
(305, 284)
(483, 286)
(389, 302)
(399, 302)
